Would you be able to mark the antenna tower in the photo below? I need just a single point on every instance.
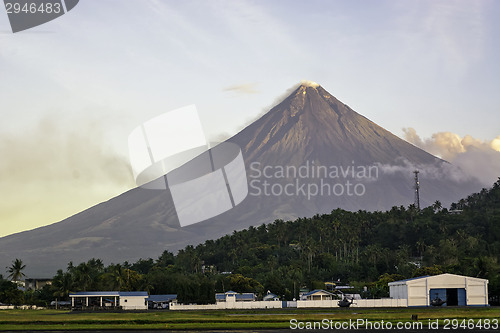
(417, 187)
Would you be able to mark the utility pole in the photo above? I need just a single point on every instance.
(417, 187)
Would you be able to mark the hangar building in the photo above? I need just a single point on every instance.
(456, 290)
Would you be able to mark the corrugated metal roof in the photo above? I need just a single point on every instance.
(134, 293)
(462, 276)
(245, 296)
(95, 293)
(161, 298)
(270, 296)
(415, 278)
(109, 293)
(434, 276)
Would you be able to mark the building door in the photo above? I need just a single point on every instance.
(456, 296)
(438, 294)
(452, 296)
(462, 297)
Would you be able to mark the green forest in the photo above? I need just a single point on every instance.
(361, 249)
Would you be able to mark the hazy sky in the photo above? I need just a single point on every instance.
(72, 90)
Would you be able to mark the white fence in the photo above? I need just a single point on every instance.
(7, 307)
(360, 303)
(21, 307)
(381, 303)
(228, 305)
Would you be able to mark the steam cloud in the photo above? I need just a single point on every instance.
(477, 158)
(309, 83)
(277, 101)
(48, 174)
(438, 170)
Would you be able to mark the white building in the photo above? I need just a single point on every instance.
(454, 289)
(133, 300)
(127, 300)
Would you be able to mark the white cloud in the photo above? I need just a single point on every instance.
(478, 158)
(246, 88)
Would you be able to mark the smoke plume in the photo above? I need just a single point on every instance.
(49, 173)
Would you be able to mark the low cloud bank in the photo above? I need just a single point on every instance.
(476, 158)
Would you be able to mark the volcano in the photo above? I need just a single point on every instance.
(308, 155)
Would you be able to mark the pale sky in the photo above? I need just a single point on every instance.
(73, 89)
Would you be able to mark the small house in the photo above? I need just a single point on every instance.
(318, 295)
(160, 301)
(270, 297)
(232, 296)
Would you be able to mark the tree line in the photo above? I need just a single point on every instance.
(362, 249)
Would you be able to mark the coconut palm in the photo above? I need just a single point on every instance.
(63, 283)
(15, 270)
(84, 276)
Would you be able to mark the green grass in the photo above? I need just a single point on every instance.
(222, 319)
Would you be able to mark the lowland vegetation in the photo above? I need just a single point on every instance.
(362, 249)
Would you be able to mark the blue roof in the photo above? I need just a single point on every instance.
(96, 293)
(110, 293)
(161, 298)
(245, 296)
(270, 296)
(134, 293)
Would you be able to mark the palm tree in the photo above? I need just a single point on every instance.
(437, 206)
(15, 270)
(117, 276)
(421, 246)
(63, 282)
(83, 276)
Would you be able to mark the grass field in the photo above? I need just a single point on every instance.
(220, 319)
